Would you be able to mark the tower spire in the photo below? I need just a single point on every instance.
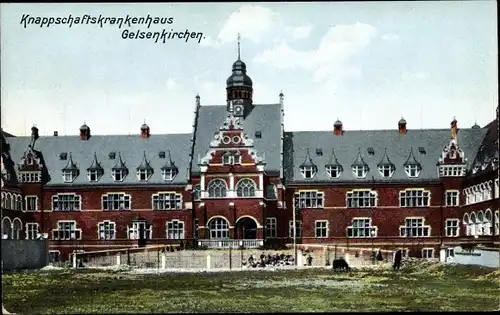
(239, 38)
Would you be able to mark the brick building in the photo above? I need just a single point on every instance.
(239, 176)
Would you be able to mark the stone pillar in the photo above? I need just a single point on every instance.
(118, 259)
(231, 192)
(163, 261)
(209, 261)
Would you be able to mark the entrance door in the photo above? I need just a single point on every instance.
(247, 229)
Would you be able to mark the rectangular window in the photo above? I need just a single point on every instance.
(167, 201)
(452, 199)
(66, 230)
(66, 202)
(140, 230)
(361, 227)
(107, 230)
(452, 227)
(271, 227)
(427, 253)
(321, 230)
(116, 202)
(413, 198)
(175, 230)
(32, 231)
(309, 199)
(31, 203)
(414, 227)
(298, 227)
(30, 177)
(361, 199)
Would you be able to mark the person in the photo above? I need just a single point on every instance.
(309, 260)
(397, 260)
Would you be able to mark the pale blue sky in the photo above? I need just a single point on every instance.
(365, 63)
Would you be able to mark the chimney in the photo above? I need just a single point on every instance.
(337, 128)
(402, 126)
(454, 128)
(56, 133)
(145, 131)
(84, 132)
(34, 133)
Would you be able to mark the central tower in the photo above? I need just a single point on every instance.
(239, 88)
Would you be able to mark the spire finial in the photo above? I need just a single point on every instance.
(239, 39)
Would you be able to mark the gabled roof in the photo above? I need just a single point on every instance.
(263, 118)
(348, 147)
(487, 152)
(96, 150)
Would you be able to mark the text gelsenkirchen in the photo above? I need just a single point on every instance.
(162, 36)
(101, 20)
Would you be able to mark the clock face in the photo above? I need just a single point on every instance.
(238, 109)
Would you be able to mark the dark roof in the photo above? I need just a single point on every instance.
(487, 151)
(131, 149)
(6, 134)
(356, 142)
(263, 118)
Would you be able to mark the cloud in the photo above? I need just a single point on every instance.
(299, 32)
(390, 37)
(252, 21)
(255, 23)
(412, 76)
(171, 84)
(330, 59)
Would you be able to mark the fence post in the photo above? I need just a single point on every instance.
(163, 261)
(128, 257)
(208, 261)
(118, 259)
(74, 260)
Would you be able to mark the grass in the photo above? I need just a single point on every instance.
(427, 287)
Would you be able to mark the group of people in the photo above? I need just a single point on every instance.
(269, 261)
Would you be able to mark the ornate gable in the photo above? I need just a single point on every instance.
(30, 161)
(232, 140)
(452, 154)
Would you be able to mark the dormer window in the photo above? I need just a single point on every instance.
(93, 175)
(119, 171)
(333, 171)
(118, 175)
(412, 170)
(412, 166)
(168, 174)
(144, 174)
(95, 171)
(308, 171)
(68, 176)
(144, 170)
(386, 170)
(70, 171)
(360, 171)
(169, 170)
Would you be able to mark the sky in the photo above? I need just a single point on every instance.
(365, 63)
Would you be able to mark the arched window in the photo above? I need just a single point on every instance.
(479, 223)
(272, 192)
(217, 188)
(8, 201)
(219, 228)
(487, 226)
(19, 203)
(6, 228)
(467, 224)
(17, 229)
(472, 224)
(497, 222)
(245, 188)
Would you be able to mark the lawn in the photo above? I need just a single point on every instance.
(422, 287)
